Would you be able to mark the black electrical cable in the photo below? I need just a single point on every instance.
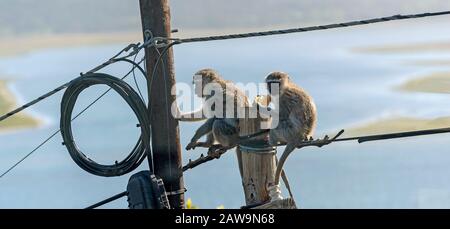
(135, 65)
(313, 28)
(62, 87)
(108, 200)
(141, 149)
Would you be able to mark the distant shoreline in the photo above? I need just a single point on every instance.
(429, 84)
(443, 46)
(13, 46)
(22, 45)
(398, 124)
(437, 82)
(16, 46)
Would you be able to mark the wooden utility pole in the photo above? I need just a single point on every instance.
(258, 167)
(155, 16)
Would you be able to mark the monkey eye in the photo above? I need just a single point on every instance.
(274, 83)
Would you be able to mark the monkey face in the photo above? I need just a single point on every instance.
(202, 78)
(276, 81)
(198, 85)
(273, 86)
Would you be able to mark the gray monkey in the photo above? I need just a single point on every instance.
(221, 132)
(295, 109)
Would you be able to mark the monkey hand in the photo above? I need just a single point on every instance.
(191, 146)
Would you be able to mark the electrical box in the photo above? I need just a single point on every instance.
(146, 191)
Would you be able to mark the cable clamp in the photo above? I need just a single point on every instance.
(177, 192)
(262, 150)
(258, 146)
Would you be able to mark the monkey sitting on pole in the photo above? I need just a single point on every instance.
(295, 111)
(222, 103)
(222, 133)
(294, 118)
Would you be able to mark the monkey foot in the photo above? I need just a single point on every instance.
(319, 142)
(191, 145)
(194, 145)
(216, 151)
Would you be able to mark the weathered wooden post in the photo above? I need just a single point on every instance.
(258, 165)
(155, 16)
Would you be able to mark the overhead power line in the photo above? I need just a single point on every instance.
(135, 65)
(312, 28)
(108, 200)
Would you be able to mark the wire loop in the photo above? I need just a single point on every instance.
(142, 147)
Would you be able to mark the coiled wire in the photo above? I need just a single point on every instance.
(142, 147)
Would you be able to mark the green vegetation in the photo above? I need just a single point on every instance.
(189, 205)
(409, 48)
(398, 124)
(434, 83)
(7, 103)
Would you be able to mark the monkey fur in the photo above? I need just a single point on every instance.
(221, 132)
(295, 109)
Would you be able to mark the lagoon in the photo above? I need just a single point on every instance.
(350, 88)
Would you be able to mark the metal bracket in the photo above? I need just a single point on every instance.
(177, 192)
(258, 146)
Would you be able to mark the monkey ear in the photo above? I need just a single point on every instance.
(288, 77)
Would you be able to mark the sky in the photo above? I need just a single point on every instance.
(22, 17)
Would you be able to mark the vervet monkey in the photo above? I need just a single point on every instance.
(295, 110)
(221, 127)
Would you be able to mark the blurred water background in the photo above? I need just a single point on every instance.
(349, 88)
